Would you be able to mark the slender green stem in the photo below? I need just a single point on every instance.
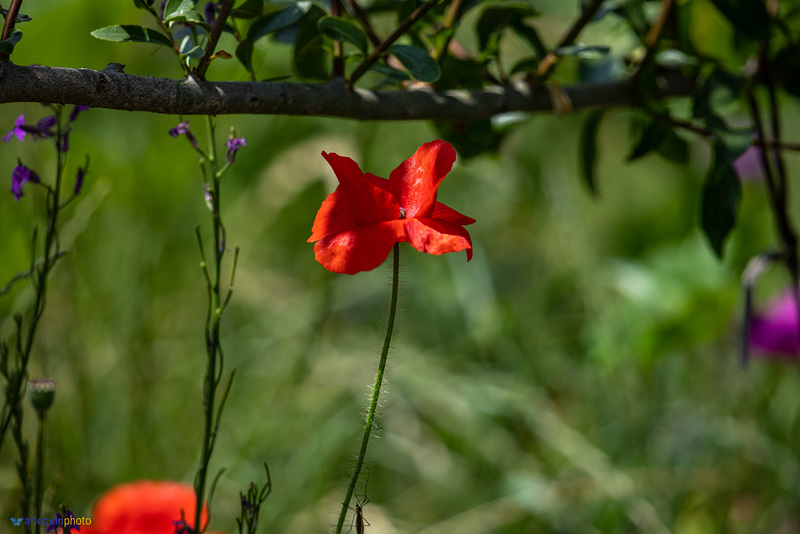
(39, 468)
(376, 391)
(214, 356)
(39, 279)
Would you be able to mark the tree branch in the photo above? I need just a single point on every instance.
(113, 89)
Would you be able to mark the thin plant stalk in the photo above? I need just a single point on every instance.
(373, 405)
(39, 280)
(216, 305)
(39, 488)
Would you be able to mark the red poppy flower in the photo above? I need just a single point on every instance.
(359, 223)
(144, 507)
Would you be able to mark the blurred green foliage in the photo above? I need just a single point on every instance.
(579, 375)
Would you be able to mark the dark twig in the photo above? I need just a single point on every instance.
(709, 134)
(338, 49)
(781, 211)
(386, 43)
(11, 17)
(213, 38)
(549, 62)
(777, 188)
(112, 89)
(362, 15)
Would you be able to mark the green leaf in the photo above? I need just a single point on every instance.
(418, 62)
(588, 149)
(582, 50)
(649, 136)
(343, 30)
(275, 20)
(675, 59)
(21, 17)
(190, 17)
(731, 142)
(673, 147)
(310, 60)
(719, 89)
(748, 17)
(244, 53)
(495, 19)
(390, 72)
(248, 10)
(131, 33)
(529, 34)
(653, 134)
(720, 200)
(188, 48)
(177, 7)
(7, 45)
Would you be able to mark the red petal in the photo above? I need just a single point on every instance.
(440, 211)
(145, 506)
(437, 236)
(361, 249)
(365, 202)
(333, 216)
(416, 180)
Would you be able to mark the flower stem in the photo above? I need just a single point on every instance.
(39, 468)
(373, 405)
(214, 354)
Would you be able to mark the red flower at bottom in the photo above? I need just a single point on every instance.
(359, 223)
(144, 507)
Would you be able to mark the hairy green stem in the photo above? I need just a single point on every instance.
(376, 391)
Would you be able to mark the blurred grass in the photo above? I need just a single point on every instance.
(579, 375)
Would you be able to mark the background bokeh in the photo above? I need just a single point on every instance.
(580, 375)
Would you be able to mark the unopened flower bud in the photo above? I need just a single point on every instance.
(42, 393)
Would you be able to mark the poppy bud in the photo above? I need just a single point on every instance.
(42, 393)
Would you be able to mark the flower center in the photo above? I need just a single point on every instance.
(402, 213)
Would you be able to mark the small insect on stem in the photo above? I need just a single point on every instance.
(359, 520)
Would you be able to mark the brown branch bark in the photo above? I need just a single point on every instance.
(113, 89)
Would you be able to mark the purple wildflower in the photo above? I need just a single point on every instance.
(775, 331)
(748, 165)
(181, 527)
(65, 524)
(79, 181)
(234, 144)
(183, 128)
(211, 11)
(17, 130)
(20, 176)
(63, 144)
(43, 127)
(77, 111)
